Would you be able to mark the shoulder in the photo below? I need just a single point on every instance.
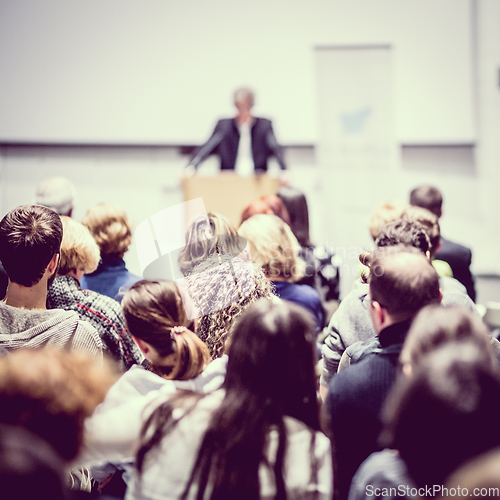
(382, 469)
(450, 248)
(262, 122)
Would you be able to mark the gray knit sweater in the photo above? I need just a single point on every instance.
(32, 329)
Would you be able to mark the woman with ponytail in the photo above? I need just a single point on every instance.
(256, 438)
(175, 359)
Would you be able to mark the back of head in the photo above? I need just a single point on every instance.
(271, 360)
(445, 413)
(111, 229)
(403, 281)
(51, 393)
(30, 235)
(430, 223)
(296, 205)
(427, 197)
(403, 232)
(155, 314)
(78, 249)
(384, 213)
(477, 477)
(273, 247)
(207, 238)
(271, 205)
(435, 325)
(57, 193)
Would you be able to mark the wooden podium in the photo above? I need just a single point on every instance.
(228, 193)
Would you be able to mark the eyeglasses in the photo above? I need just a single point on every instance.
(367, 301)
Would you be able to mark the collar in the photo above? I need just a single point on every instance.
(395, 333)
(108, 263)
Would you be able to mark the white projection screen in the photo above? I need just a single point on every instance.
(162, 71)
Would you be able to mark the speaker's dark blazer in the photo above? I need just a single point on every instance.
(225, 138)
(459, 258)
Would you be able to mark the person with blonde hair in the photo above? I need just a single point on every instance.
(275, 249)
(80, 254)
(110, 227)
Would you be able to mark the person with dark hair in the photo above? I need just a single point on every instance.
(457, 256)
(351, 322)
(243, 143)
(446, 413)
(401, 282)
(433, 328)
(30, 243)
(111, 229)
(176, 359)
(259, 436)
(322, 268)
(80, 254)
(51, 393)
(30, 467)
(4, 281)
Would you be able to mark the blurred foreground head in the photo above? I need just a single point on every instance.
(50, 393)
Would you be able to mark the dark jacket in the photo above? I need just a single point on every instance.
(459, 258)
(224, 142)
(355, 399)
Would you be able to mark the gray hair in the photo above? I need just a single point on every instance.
(244, 94)
(57, 193)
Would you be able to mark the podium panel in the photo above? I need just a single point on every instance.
(228, 193)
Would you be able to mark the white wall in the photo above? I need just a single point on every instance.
(162, 71)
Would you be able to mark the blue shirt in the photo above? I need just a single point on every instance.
(111, 278)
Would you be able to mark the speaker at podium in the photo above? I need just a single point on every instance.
(228, 193)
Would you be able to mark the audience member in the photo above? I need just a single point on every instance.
(177, 359)
(210, 237)
(384, 213)
(220, 294)
(270, 205)
(276, 250)
(446, 413)
(57, 193)
(351, 322)
(79, 255)
(430, 223)
(433, 328)
(51, 393)
(221, 280)
(231, 443)
(111, 229)
(458, 257)
(322, 269)
(402, 281)
(478, 477)
(30, 242)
